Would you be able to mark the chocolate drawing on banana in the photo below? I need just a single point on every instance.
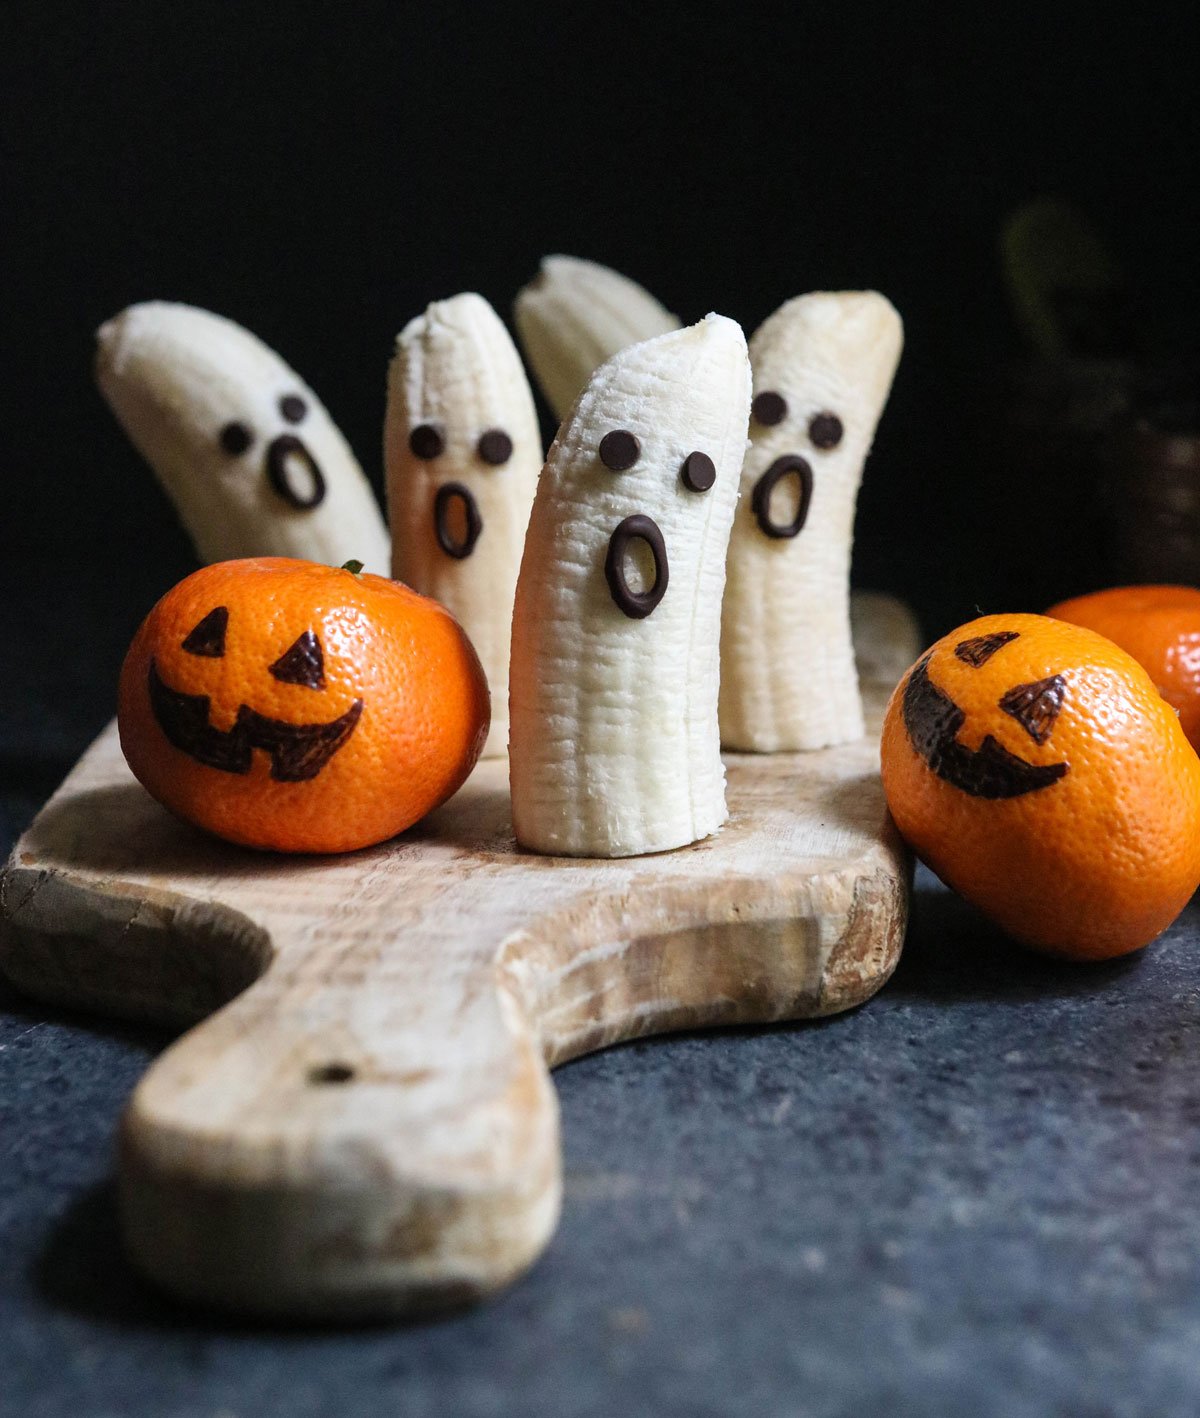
(823, 365)
(614, 744)
(250, 457)
(462, 453)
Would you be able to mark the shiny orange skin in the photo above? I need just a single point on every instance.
(1093, 865)
(424, 718)
(1160, 627)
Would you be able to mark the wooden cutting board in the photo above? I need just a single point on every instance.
(369, 1127)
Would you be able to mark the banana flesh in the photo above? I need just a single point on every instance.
(244, 448)
(462, 452)
(614, 746)
(823, 365)
(573, 316)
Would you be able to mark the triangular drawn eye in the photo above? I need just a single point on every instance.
(207, 637)
(1036, 706)
(977, 651)
(302, 663)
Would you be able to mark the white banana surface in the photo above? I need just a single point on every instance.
(614, 745)
(823, 365)
(576, 314)
(462, 452)
(243, 447)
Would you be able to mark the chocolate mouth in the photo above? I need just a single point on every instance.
(294, 473)
(760, 498)
(637, 605)
(990, 771)
(298, 751)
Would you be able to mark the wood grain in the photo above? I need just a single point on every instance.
(366, 1124)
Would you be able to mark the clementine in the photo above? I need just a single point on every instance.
(300, 708)
(1036, 769)
(1160, 627)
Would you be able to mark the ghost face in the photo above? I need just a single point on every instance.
(289, 467)
(246, 450)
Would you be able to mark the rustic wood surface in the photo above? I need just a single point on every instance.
(366, 1125)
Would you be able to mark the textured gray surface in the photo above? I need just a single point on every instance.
(976, 1195)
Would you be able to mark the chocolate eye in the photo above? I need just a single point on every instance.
(427, 441)
(620, 450)
(980, 648)
(301, 663)
(293, 407)
(207, 636)
(495, 447)
(769, 408)
(236, 438)
(825, 430)
(699, 472)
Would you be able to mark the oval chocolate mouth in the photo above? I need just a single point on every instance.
(446, 494)
(760, 498)
(283, 453)
(636, 604)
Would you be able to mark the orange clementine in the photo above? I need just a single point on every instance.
(1160, 627)
(300, 708)
(1034, 766)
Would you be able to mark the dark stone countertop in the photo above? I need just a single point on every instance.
(978, 1194)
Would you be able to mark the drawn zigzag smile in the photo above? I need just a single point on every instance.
(298, 751)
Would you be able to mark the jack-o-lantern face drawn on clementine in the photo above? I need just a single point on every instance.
(1035, 768)
(298, 752)
(934, 720)
(297, 707)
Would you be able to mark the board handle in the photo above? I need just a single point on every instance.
(323, 1153)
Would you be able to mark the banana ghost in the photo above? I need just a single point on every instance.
(576, 314)
(462, 452)
(823, 366)
(244, 448)
(614, 747)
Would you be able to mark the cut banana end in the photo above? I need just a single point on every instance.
(462, 452)
(614, 746)
(576, 314)
(823, 365)
(243, 447)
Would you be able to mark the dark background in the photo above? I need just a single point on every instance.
(978, 1194)
(320, 173)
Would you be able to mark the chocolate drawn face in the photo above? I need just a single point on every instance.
(619, 451)
(298, 752)
(457, 520)
(291, 469)
(824, 432)
(933, 721)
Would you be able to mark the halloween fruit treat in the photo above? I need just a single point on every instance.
(823, 365)
(1160, 627)
(576, 314)
(463, 453)
(301, 708)
(1034, 766)
(614, 747)
(244, 448)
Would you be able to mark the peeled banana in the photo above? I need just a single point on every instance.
(244, 448)
(576, 314)
(823, 365)
(462, 452)
(614, 747)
